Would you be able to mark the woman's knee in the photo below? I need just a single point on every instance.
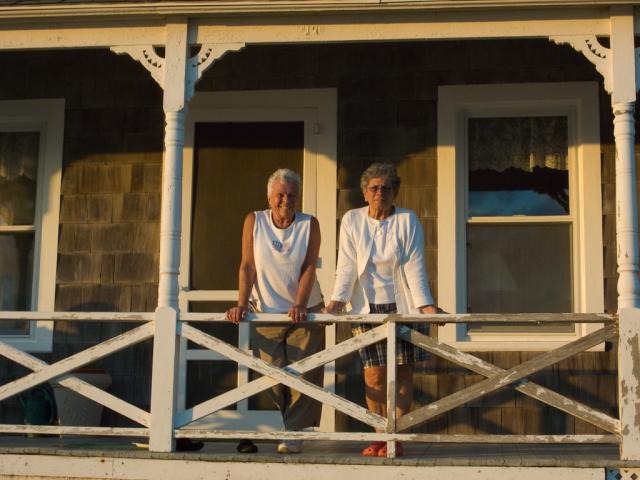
(375, 376)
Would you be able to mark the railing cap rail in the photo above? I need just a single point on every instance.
(535, 318)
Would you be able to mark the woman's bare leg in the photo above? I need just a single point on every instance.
(375, 379)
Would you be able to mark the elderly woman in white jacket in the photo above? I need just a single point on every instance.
(381, 269)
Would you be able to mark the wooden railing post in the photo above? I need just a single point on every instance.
(391, 386)
(164, 380)
(629, 383)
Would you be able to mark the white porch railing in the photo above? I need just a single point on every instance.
(165, 423)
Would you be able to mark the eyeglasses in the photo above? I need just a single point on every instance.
(379, 188)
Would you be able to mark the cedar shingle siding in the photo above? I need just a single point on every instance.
(387, 110)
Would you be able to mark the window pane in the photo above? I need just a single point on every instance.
(18, 177)
(519, 269)
(518, 166)
(16, 269)
(233, 162)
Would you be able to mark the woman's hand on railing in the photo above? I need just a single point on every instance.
(334, 307)
(430, 310)
(237, 314)
(298, 313)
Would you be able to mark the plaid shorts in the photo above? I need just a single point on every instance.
(375, 355)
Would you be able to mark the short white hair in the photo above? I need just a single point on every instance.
(283, 175)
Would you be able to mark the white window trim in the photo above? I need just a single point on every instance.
(46, 116)
(317, 108)
(578, 101)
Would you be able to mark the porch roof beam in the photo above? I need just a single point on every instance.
(310, 28)
(212, 7)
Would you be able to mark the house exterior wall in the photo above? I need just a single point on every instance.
(387, 111)
(110, 202)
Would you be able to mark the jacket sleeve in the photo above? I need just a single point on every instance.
(347, 268)
(414, 267)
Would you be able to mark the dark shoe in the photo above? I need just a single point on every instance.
(188, 445)
(246, 446)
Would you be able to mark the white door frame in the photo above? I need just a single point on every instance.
(317, 108)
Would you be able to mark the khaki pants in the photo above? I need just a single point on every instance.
(281, 346)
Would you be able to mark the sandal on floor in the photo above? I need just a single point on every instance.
(246, 446)
(373, 449)
(382, 452)
(188, 445)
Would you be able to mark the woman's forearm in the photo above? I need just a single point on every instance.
(246, 280)
(307, 279)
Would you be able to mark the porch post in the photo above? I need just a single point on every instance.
(166, 340)
(623, 99)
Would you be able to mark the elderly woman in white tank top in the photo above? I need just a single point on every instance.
(381, 270)
(280, 249)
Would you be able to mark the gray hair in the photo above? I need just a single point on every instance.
(283, 175)
(379, 170)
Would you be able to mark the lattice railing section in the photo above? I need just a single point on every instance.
(61, 372)
(389, 329)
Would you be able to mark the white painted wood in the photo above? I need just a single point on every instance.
(122, 468)
(77, 385)
(45, 116)
(623, 55)
(523, 318)
(199, 63)
(626, 206)
(164, 380)
(594, 51)
(400, 437)
(504, 378)
(283, 376)
(61, 430)
(147, 57)
(175, 66)
(528, 388)
(174, 83)
(391, 386)
(579, 102)
(330, 354)
(629, 383)
(484, 8)
(415, 25)
(623, 100)
(198, 295)
(127, 317)
(68, 35)
(78, 360)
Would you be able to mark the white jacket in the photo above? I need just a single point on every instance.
(410, 277)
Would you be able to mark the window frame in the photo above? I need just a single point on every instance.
(579, 102)
(47, 117)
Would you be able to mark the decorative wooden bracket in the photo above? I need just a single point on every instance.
(199, 63)
(594, 51)
(597, 54)
(196, 65)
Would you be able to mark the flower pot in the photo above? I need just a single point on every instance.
(74, 410)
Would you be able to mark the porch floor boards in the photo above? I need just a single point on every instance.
(335, 453)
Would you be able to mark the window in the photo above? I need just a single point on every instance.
(31, 134)
(519, 219)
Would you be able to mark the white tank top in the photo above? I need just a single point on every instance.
(279, 254)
